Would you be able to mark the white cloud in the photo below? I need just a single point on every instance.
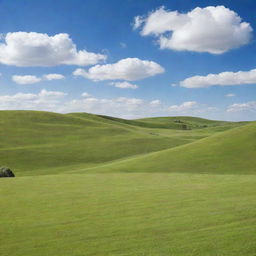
(54, 76)
(36, 49)
(230, 95)
(85, 94)
(211, 29)
(129, 69)
(26, 79)
(30, 79)
(44, 100)
(184, 107)
(124, 85)
(222, 79)
(123, 107)
(138, 21)
(155, 102)
(52, 94)
(243, 107)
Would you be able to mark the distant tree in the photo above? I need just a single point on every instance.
(184, 127)
(6, 172)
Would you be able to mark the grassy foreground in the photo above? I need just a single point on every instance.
(128, 214)
(92, 185)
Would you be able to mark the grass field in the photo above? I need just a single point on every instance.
(97, 185)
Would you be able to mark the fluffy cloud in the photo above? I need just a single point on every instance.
(54, 76)
(241, 107)
(26, 79)
(35, 49)
(44, 100)
(211, 29)
(129, 69)
(222, 79)
(124, 85)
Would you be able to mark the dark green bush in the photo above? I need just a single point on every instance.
(6, 172)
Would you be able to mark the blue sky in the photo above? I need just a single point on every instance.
(159, 66)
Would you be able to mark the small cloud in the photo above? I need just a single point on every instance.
(53, 76)
(85, 95)
(123, 45)
(173, 85)
(28, 79)
(155, 103)
(185, 106)
(230, 95)
(124, 85)
(138, 21)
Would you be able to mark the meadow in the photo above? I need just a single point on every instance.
(98, 185)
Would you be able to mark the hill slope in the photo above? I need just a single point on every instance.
(34, 142)
(229, 152)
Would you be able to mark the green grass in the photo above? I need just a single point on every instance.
(128, 214)
(35, 142)
(95, 185)
(229, 152)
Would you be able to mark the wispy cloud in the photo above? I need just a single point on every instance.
(221, 79)
(124, 85)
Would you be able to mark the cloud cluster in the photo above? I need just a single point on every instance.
(124, 107)
(222, 79)
(124, 85)
(212, 29)
(29, 79)
(242, 107)
(44, 100)
(25, 49)
(129, 69)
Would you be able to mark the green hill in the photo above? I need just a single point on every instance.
(96, 185)
(229, 152)
(35, 142)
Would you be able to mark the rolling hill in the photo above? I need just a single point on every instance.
(229, 152)
(97, 185)
(35, 142)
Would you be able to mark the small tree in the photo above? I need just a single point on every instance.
(6, 172)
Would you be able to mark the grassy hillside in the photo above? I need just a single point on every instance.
(126, 187)
(128, 215)
(229, 152)
(34, 142)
